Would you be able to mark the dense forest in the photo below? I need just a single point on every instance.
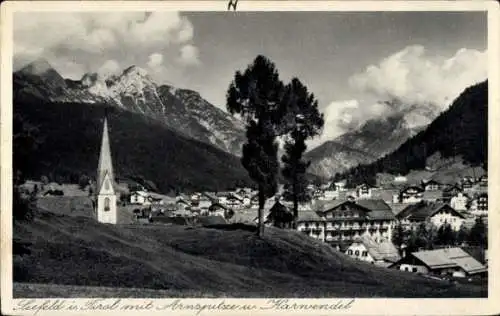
(461, 130)
(62, 141)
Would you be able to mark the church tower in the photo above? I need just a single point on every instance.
(106, 208)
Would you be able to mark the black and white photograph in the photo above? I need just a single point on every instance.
(177, 153)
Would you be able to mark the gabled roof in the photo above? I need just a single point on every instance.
(374, 204)
(379, 251)
(449, 257)
(365, 185)
(278, 207)
(376, 209)
(217, 205)
(423, 210)
(309, 216)
(141, 193)
(379, 210)
(328, 205)
(154, 199)
(212, 196)
(223, 194)
(431, 181)
(453, 187)
(414, 187)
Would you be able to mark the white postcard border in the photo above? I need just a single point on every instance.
(360, 306)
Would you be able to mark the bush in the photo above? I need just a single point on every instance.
(83, 182)
(23, 206)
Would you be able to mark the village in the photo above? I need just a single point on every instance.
(361, 222)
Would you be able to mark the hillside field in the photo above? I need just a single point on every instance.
(63, 253)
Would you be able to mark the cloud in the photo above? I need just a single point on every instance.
(337, 115)
(155, 60)
(409, 82)
(96, 37)
(413, 77)
(189, 55)
(72, 69)
(110, 67)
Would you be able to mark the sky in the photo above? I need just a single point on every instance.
(351, 61)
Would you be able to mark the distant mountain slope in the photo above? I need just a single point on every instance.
(141, 146)
(184, 111)
(460, 131)
(332, 157)
(372, 140)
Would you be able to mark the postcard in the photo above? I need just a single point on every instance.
(249, 157)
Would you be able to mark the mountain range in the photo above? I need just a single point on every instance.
(460, 131)
(186, 118)
(170, 137)
(182, 110)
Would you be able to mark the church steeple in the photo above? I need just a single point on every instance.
(105, 163)
(106, 207)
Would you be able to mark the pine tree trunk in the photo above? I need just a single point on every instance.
(262, 200)
(295, 209)
(295, 203)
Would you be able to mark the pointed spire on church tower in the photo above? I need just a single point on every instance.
(106, 207)
(105, 162)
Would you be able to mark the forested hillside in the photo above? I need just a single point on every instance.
(64, 141)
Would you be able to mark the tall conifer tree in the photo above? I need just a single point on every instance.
(255, 95)
(301, 120)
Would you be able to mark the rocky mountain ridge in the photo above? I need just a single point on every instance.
(374, 139)
(184, 111)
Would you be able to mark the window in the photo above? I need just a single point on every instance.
(413, 269)
(106, 185)
(106, 204)
(349, 252)
(356, 253)
(364, 254)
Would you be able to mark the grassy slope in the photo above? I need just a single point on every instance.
(234, 263)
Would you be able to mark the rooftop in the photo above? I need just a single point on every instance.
(450, 257)
(379, 251)
(423, 210)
